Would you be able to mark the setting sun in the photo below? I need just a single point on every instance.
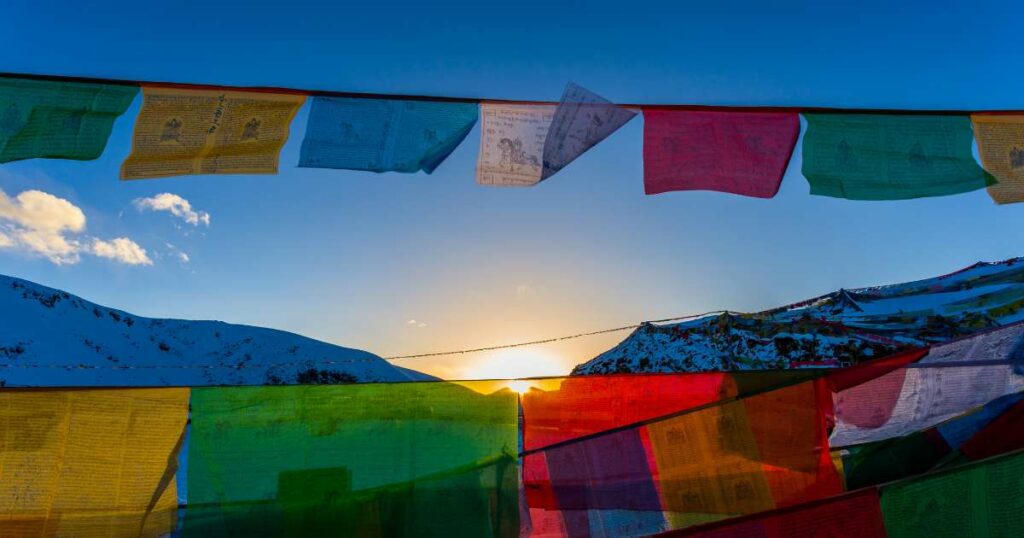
(519, 385)
(513, 363)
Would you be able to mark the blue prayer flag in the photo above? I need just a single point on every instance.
(384, 135)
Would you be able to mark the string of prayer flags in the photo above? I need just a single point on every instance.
(1001, 148)
(384, 135)
(90, 463)
(890, 157)
(522, 145)
(984, 499)
(58, 120)
(582, 120)
(919, 396)
(188, 132)
(434, 459)
(737, 152)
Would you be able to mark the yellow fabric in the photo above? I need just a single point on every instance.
(708, 463)
(1001, 147)
(89, 463)
(183, 132)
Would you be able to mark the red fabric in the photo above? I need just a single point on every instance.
(1004, 434)
(846, 378)
(590, 404)
(739, 152)
(857, 515)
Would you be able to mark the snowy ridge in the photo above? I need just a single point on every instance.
(836, 329)
(80, 343)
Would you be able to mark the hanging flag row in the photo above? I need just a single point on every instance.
(717, 454)
(185, 130)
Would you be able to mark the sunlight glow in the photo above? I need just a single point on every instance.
(520, 386)
(515, 363)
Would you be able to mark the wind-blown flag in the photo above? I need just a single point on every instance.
(983, 499)
(58, 120)
(426, 459)
(890, 157)
(1001, 147)
(384, 135)
(742, 153)
(522, 145)
(90, 462)
(184, 131)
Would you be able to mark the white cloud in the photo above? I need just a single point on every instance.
(175, 205)
(40, 223)
(414, 323)
(523, 291)
(121, 249)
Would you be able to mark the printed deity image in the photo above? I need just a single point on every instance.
(184, 132)
(512, 143)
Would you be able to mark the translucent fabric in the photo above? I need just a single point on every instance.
(857, 515)
(983, 499)
(890, 157)
(185, 131)
(1001, 147)
(512, 139)
(384, 135)
(430, 459)
(582, 120)
(737, 152)
(58, 120)
(1003, 434)
(90, 463)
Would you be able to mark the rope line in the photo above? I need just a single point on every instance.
(463, 99)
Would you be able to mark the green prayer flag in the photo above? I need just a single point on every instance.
(890, 157)
(424, 459)
(986, 499)
(58, 120)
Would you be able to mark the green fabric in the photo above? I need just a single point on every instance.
(59, 120)
(893, 459)
(986, 499)
(354, 460)
(890, 157)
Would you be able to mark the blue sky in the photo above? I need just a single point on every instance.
(352, 257)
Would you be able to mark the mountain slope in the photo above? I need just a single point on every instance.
(49, 337)
(839, 328)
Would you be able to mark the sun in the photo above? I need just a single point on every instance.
(520, 385)
(515, 364)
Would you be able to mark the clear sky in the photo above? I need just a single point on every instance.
(352, 257)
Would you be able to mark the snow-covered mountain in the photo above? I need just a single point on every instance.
(839, 328)
(49, 337)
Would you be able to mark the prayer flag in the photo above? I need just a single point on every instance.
(90, 463)
(512, 144)
(742, 153)
(431, 459)
(1001, 147)
(984, 499)
(384, 135)
(58, 120)
(186, 132)
(582, 120)
(890, 157)
(522, 145)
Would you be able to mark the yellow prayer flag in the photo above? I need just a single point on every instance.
(185, 132)
(90, 463)
(1001, 147)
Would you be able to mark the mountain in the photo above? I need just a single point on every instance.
(53, 338)
(836, 329)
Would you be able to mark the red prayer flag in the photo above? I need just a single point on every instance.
(738, 152)
(1004, 434)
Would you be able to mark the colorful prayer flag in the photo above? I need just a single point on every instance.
(742, 153)
(58, 120)
(890, 157)
(384, 135)
(90, 462)
(582, 120)
(430, 459)
(984, 499)
(1001, 147)
(187, 132)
